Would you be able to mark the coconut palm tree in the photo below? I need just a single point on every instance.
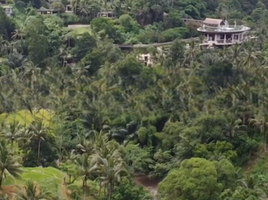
(83, 9)
(84, 167)
(15, 59)
(107, 162)
(12, 131)
(8, 163)
(30, 192)
(261, 122)
(37, 131)
(111, 171)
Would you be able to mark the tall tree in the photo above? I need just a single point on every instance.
(37, 130)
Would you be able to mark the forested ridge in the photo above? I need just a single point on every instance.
(81, 118)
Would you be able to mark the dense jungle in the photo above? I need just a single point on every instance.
(82, 118)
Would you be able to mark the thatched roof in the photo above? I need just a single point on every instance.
(211, 21)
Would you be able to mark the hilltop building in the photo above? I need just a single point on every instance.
(48, 11)
(69, 8)
(219, 33)
(146, 59)
(107, 14)
(8, 9)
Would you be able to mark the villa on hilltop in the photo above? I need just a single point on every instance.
(48, 11)
(8, 10)
(218, 32)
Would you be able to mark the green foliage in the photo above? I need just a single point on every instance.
(191, 102)
(216, 151)
(128, 24)
(25, 117)
(37, 174)
(174, 33)
(150, 34)
(163, 163)
(177, 51)
(219, 74)
(146, 135)
(141, 163)
(92, 192)
(9, 166)
(198, 178)
(50, 188)
(226, 173)
(71, 170)
(30, 191)
(7, 26)
(195, 179)
(69, 18)
(84, 45)
(128, 190)
(105, 27)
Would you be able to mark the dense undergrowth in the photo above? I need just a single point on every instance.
(197, 118)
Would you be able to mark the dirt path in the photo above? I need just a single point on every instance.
(8, 190)
(64, 191)
(149, 184)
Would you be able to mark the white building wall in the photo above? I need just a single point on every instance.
(221, 39)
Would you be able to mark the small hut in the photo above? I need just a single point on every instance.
(107, 14)
(8, 10)
(48, 11)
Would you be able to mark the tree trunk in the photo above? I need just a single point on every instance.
(1, 177)
(38, 153)
(265, 139)
(85, 187)
(70, 179)
(85, 193)
(110, 192)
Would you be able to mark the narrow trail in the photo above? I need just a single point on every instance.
(260, 156)
(131, 46)
(64, 191)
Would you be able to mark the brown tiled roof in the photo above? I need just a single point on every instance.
(212, 21)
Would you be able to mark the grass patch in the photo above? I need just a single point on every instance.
(24, 117)
(49, 180)
(79, 31)
(3, 59)
(38, 175)
(75, 31)
(92, 191)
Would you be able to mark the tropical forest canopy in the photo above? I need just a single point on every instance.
(75, 106)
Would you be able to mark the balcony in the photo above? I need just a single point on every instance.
(229, 28)
(220, 42)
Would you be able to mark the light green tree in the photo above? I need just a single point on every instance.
(195, 179)
(9, 167)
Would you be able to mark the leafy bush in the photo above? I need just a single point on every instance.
(128, 190)
(50, 187)
(174, 33)
(69, 19)
(92, 189)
